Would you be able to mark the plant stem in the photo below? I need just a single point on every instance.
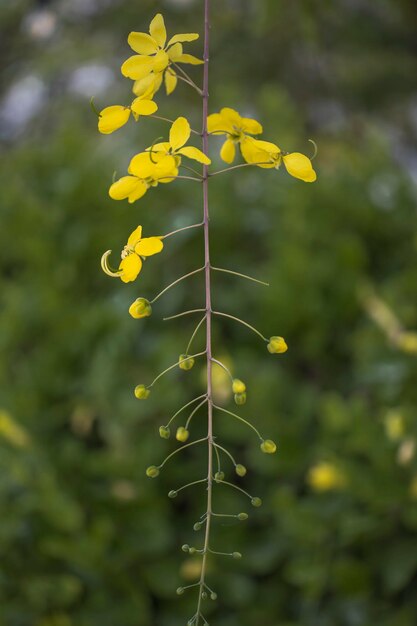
(237, 319)
(197, 328)
(173, 317)
(179, 230)
(166, 119)
(255, 280)
(175, 282)
(205, 96)
(236, 167)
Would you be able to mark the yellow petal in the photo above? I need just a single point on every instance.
(149, 246)
(142, 43)
(170, 81)
(217, 124)
(299, 166)
(228, 151)
(135, 237)
(183, 38)
(231, 116)
(141, 165)
(256, 152)
(179, 133)
(189, 58)
(166, 169)
(137, 67)
(130, 266)
(123, 187)
(160, 61)
(158, 30)
(251, 126)
(143, 107)
(175, 52)
(148, 86)
(159, 150)
(112, 118)
(196, 154)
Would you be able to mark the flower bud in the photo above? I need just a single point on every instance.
(218, 477)
(180, 591)
(141, 392)
(140, 308)
(172, 493)
(152, 471)
(268, 446)
(182, 434)
(238, 386)
(164, 432)
(240, 398)
(197, 526)
(192, 550)
(185, 547)
(204, 595)
(240, 470)
(277, 345)
(256, 502)
(242, 517)
(185, 362)
(236, 555)
(213, 595)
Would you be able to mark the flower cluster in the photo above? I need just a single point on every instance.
(158, 60)
(239, 131)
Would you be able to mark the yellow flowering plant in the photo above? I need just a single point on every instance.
(157, 60)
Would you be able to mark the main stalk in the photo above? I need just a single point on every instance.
(208, 307)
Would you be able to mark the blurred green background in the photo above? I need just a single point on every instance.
(85, 538)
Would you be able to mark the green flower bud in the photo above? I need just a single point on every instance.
(185, 547)
(277, 345)
(268, 446)
(141, 392)
(180, 591)
(172, 494)
(236, 555)
(152, 471)
(240, 469)
(164, 432)
(242, 517)
(204, 595)
(192, 550)
(238, 386)
(182, 434)
(185, 362)
(240, 398)
(256, 502)
(219, 476)
(213, 596)
(140, 308)
(197, 526)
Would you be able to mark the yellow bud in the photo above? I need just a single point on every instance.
(238, 386)
(141, 392)
(240, 470)
(240, 398)
(277, 345)
(185, 362)
(268, 446)
(152, 471)
(182, 434)
(219, 476)
(140, 308)
(256, 502)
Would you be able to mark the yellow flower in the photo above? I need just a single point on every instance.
(238, 386)
(155, 57)
(144, 173)
(325, 477)
(179, 134)
(132, 254)
(268, 446)
(114, 117)
(267, 155)
(236, 128)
